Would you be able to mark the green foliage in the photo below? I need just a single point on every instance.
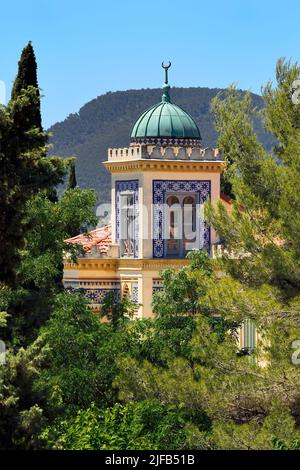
(40, 272)
(21, 419)
(182, 298)
(72, 182)
(140, 426)
(276, 431)
(33, 226)
(27, 77)
(80, 364)
(264, 222)
(280, 445)
(117, 311)
(50, 224)
(183, 288)
(25, 168)
(262, 276)
(27, 71)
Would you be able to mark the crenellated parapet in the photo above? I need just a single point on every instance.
(154, 152)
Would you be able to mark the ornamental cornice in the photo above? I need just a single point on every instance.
(165, 165)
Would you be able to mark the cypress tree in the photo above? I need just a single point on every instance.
(72, 182)
(25, 168)
(27, 77)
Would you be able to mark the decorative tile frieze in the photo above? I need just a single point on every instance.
(135, 293)
(157, 285)
(166, 141)
(96, 291)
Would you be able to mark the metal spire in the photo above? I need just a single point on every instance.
(166, 67)
(166, 87)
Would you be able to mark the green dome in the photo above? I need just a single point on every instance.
(166, 123)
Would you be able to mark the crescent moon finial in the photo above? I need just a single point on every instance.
(166, 68)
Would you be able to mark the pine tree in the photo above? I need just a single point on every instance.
(265, 221)
(251, 402)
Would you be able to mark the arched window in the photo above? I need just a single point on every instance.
(173, 226)
(180, 222)
(174, 208)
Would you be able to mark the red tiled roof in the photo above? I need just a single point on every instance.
(226, 198)
(100, 236)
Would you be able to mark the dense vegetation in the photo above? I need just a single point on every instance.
(177, 380)
(107, 121)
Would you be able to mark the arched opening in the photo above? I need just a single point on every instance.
(173, 226)
(180, 220)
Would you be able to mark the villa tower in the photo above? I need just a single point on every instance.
(159, 185)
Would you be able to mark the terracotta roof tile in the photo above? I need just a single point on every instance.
(226, 198)
(100, 237)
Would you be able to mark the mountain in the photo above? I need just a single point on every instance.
(107, 120)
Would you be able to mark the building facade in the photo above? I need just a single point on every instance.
(159, 186)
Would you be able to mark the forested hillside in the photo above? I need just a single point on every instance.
(107, 120)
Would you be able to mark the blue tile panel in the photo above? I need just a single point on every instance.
(96, 291)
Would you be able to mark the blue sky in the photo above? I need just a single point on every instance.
(86, 48)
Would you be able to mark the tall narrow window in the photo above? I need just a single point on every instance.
(189, 223)
(127, 225)
(181, 222)
(173, 227)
